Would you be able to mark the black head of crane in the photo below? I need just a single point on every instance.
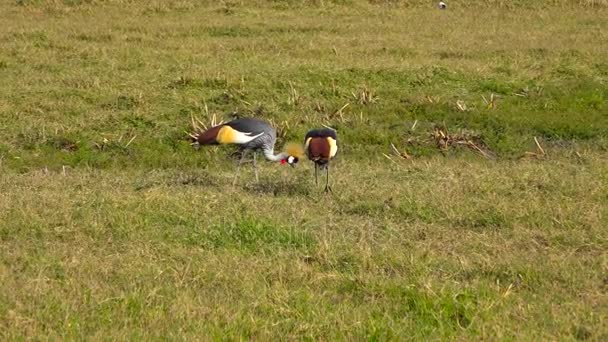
(248, 134)
(321, 146)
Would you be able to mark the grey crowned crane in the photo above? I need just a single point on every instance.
(249, 135)
(321, 145)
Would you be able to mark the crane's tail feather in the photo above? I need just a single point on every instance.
(206, 137)
(201, 135)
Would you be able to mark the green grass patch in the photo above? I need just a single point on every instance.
(246, 234)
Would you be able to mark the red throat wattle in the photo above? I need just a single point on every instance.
(283, 161)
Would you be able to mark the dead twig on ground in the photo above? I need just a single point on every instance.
(403, 155)
(445, 140)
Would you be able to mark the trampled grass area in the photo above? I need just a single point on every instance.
(112, 226)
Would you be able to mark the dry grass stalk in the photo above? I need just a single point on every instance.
(130, 141)
(105, 142)
(389, 158)
(461, 105)
(206, 108)
(403, 155)
(594, 3)
(340, 112)
(490, 104)
(445, 140)
(540, 148)
(329, 116)
(199, 126)
(281, 128)
(365, 96)
(522, 93)
(540, 151)
(294, 97)
(319, 107)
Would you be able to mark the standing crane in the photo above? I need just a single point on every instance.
(321, 146)
(248, 134)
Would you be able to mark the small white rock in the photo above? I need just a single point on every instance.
(442, 5)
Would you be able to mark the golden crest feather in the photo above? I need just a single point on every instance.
(295, 150)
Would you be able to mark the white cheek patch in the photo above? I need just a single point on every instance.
(290, 159)
(333, 147)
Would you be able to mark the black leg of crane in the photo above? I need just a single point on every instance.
(316, 174)
(238, 167)
(255, 167)
(327, 187)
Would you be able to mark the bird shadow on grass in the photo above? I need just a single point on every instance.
(281, 188)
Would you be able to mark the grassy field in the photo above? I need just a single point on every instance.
(113, 227)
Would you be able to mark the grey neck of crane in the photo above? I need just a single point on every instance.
(269, 155)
